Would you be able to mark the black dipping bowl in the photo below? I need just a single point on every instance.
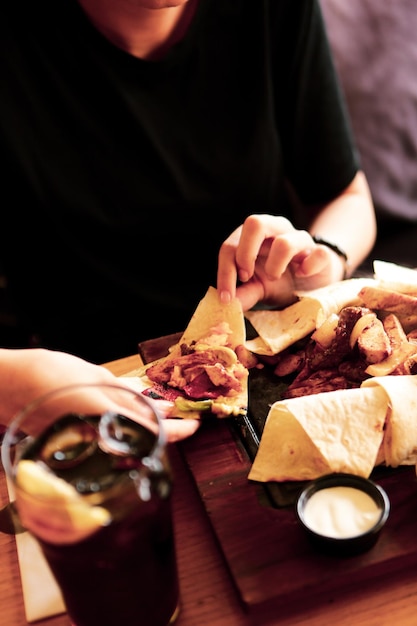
(352, 545)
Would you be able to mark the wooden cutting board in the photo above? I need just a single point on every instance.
(269, 557)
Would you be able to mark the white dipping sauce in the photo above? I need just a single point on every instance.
(341, 512)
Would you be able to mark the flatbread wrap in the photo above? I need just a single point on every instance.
(308, 436)
(400, 438)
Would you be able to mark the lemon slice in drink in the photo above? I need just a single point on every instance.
(53, 510)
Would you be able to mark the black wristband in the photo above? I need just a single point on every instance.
(337, 250)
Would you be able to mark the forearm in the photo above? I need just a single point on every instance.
(12, 365)
(349, 222)
(29, 373)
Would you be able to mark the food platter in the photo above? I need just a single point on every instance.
(269, 558)
(264, 390)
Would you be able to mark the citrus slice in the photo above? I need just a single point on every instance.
(52, 509)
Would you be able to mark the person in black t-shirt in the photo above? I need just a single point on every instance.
(152, 148)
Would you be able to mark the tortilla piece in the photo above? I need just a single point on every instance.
(334, 297)
(280, 329)
(400, 440)
(308, 436)
(396, 277)
(258, 346)
(210, 312)
(285, 451)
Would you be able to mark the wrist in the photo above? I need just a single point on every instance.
(338, 251)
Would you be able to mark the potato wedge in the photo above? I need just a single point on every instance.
(373, 341)
(402, 349)
(380, 299)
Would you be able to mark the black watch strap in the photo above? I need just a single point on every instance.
(337, 250)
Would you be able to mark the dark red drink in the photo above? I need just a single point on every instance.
(124, 572)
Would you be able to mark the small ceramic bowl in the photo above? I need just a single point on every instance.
(343, 514)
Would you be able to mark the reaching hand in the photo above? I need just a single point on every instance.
(31, 373)
(271, 259)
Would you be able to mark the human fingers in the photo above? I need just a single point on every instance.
(227, 271)
(178, 429)
(126, 404)
(271, 258)
(306, 270)
(311, 263)
(250, 293)
(260, 233)
(286, 250)
(175, 429)
(240, 251)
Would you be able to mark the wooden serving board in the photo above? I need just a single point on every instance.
(269, 557)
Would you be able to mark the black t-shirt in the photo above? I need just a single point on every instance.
(121, 177)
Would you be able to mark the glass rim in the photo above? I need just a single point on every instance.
(13, 427)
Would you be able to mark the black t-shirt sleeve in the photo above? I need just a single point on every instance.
(319, 149)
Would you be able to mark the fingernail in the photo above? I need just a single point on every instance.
(243, 276)
(225, 297)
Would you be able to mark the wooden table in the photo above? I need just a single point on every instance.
(208, 595)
